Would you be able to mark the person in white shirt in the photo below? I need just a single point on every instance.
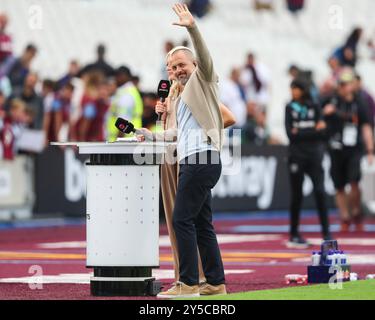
(255, 77)
(233, 98)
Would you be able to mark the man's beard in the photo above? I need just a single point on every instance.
(183, 80)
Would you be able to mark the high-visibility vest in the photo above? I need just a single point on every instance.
(115, 112)
(156, 128)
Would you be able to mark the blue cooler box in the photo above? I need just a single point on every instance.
(322, 274)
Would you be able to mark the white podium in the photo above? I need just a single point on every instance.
(122, 216)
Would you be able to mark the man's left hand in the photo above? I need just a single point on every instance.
(140, 137)
(186, 18)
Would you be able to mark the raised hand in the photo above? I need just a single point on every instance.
(186, 18)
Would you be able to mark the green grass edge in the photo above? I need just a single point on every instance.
(354, 290)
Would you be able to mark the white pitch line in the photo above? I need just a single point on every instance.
(165, 242)
(84, 278)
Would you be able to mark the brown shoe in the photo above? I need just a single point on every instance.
(207, 289)
(180, 290)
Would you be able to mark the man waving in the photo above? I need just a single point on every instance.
(199, 141)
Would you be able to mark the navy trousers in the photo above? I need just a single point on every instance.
(192, 220)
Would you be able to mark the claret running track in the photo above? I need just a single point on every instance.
(45, 259)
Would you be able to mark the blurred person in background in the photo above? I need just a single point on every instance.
(79, 86)
(11, 127)
(350, 136)
(306, 131)
(347, 54)
(88, 106)
(29, 117)
(307, 76)
(5, 86)
(263, 5)
(248, 129)
(73, 71)
(48, 95)
(100, 65)
(2, 106)
(126, 103)
(199, 8)
(20, 68)
(2, 117)
(295, 6)
(255, 81)
(371, 46)
(94, 118)
(185, 43)
(149, 116)
(6, 46)
(112, 86)
(168, 46)
(233, 96)
(329, 85)
(293, 71)
(33, 99)
(137, 83)
(57, 111)
(262, 133)
(366, 97)
(86, 91)
(255, 131)
(62, 107)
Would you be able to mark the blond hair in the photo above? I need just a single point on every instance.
(179, 48)
(17, 104)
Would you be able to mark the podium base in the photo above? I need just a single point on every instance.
(124, 281)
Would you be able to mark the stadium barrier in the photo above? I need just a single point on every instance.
(254, 180)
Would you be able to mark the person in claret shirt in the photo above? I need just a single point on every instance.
(79, 127)
(95, 103)
(94, 115)
(48, 96)
(5, 41)
(2, 103)
(62, 107)
(11, 127)
(2, 109)
(57, 107)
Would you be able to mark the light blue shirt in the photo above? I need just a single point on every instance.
(190, 135)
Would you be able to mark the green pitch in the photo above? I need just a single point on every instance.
(355, 290)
